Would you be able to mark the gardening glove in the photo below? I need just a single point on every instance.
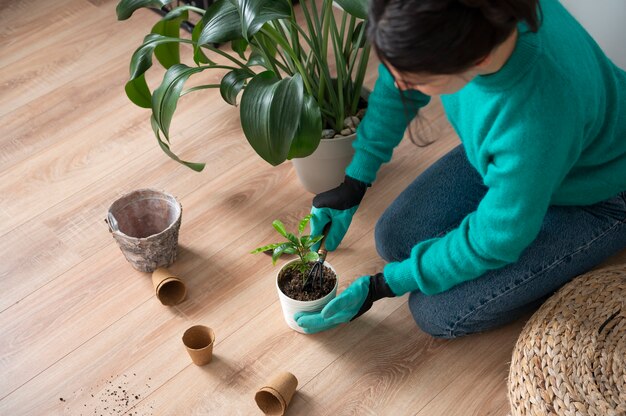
(352, 303)
(336, 207)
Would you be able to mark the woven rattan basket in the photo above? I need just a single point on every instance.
(570, 358)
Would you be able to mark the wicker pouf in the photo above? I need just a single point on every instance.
(570, 358)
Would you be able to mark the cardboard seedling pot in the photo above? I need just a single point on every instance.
(145, 225)
(274, 397)
(199, 340)
(169, 289)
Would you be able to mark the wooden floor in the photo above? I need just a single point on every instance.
(80, 330)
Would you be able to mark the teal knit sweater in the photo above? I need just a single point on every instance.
(549, 128)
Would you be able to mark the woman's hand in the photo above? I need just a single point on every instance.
(336, 207)
(350, 304)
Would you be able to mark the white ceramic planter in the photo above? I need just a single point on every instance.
(325, 168)
(291, 306)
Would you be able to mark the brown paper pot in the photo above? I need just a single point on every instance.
(275, 396)
(199, 341)
(145, 224)
(169, 289)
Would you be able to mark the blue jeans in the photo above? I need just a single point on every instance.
(573, 240)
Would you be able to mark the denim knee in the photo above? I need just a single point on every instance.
(385, 235)
(431, 317)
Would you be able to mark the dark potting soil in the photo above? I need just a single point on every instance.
(290, 282)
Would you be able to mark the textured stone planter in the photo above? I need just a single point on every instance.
(145, 224)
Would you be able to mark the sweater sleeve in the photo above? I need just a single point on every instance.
(525, 161)
(389, 112)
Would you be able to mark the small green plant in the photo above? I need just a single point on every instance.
(300, 245)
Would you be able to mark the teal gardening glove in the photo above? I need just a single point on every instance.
(350, 304)
(336, 207)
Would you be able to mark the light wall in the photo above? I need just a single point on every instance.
(605, 20)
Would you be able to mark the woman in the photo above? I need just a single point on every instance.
(533, 197)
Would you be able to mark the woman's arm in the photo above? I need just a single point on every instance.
(528, 157)
(383, 126)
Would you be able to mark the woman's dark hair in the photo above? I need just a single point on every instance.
(444, 36)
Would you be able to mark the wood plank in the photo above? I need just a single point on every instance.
(229, 202)
(397, 369)
(32, 26)
(20, 17)
(210, 267)
(107, 276)
(79, 324)
(45, 70)
(73, 228)
(132, 356)
(54, 118)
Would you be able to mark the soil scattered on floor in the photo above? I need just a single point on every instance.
(291, 283)
(117, 397)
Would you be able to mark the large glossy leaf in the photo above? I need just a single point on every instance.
(165, 97)
(262, 46)
(126, 8)
(138, 92)
(265, 248)
(240, 46)
(357, 8)
(270, 110)
(257, 59)
(178, 12)
(280, 227)
(141, 60)
(199, 56)
(255, 13)
(303, 223)
(165, 147)
(355, 36)
(284, 248)
(168, 53)
(309, 132)
(221, 23)
(311, 257)
(232, 84)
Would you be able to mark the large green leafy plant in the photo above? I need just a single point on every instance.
(289, 91)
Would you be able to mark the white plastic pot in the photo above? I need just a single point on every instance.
(291, 306)
(325, 168)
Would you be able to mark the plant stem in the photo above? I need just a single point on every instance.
(286, 58)
(273, 35)
(266, 56)
(196, 9)
(347, 48)
(200, 87)
(343, 25)
(317, 30)
(224, 54)
(358, 83)
(341, 67)
(356, 51)
(232, 68)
